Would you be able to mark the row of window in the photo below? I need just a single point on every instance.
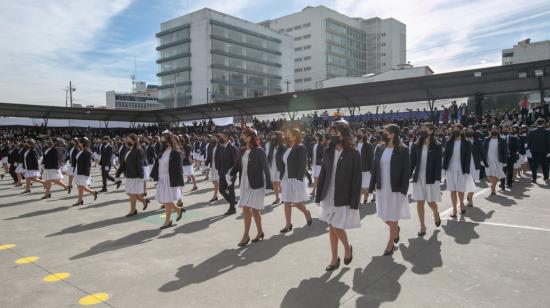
(300, 59)
(298, 27)
(347, 31)
(300, 80)
(336, 71)
(302, 69)
(173, 37)
(246, 65)
(345, 41)
(135, 105)
(184, 93)
(304, 37)
(245, 38)
(351, 63)
(223, 92)
(173, 51)
(172, 78)
(235, 78)
(245, 51)
(174, 64)
(346, 52)
(302, 48)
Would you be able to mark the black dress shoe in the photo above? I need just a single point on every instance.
(230, 211)
(69, 189)
(146, 204)
(348, 260)
(180, 214)
(95, 195)
(213, 200)
(103, 190)
(310, 220)
(242, 244)
(463, 211)
(396, 240)
(389, 252)
(286, 230)
(134, 213)
(333, 267)
(422, 233)
(78, 203)
(258, 238)
(118, 183)
(166, 226)
(48, 196)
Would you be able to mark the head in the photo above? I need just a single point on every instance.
(340, 134)
(85, 143)
(391, 134)
(319, 137)
(277, 138)
(470, 132)
(427, 131)
(132, 140)
(250, 138)
(457, 130)
(224, 137)
(293, 136)
(495, 131)
(361, 135)
(168, 139)
(505, 130)
(105, 139)
(540, 122)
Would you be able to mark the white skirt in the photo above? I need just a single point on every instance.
(146, 176)
(96, 156)
(165, 193)
(495, 169)
(70, 169)
(294, 191)
(426, 192)
(188, 170)
(64, 169)
(82, 180)
(340, 217)
(134, 186)
(32, 173)
(4, 160)
(214, 175)
(520, 161)
(456, 181)
(20, 169)
(316, 171)
(365, 179)
(392, 206)
(52, 174)
(252, 198)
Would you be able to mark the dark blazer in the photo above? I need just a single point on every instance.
(465, 155)
(514, 145)
(296, 161)
(318, 153)
(502, 149)
(186, 149)
(478, 153)
(347, 190)
(399, 169)
(228, 158)
(158, 148)
(13, 156)
(133, 164)
(31, 161)
(218, 157)
(21, 155)
(433, 162)
(538, 140)
(523, 144)
(84, 163)
(151, 154)
(51, 159)
(209, 153)
(367, 152)
(175, 169)
(256, 170)
(106, 154)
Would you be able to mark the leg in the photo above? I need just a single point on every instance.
(258, 221)
(470, 198)
(461, 199)
(393, 234)
(288, 214)
(168, 213)
(454, 201)
(333, 245)
(343, 237)
(247, 218)
(132, 203)
(302, 208)
(435, 212)
(216, 187)
(420, 211)
(80, 193)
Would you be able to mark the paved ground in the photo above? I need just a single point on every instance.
(496, 256)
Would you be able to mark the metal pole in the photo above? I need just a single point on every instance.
(207, 94)
(175, 91)
(71, 92)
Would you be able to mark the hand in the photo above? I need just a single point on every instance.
(228, 180)
(106, 168)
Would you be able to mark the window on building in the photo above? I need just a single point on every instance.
(307, 79)
(307, 47)
(298, 60)
(288, 30)
(307, 36)
(307, 58)
(298, 80)
(298, 27)
(298, 49)
(383, 44)
(306, 25)
(298, 38)
(307, 69)
(297, 70)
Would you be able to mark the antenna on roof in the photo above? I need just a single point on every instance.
(133, 77)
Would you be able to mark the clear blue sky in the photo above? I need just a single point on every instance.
(94, 43)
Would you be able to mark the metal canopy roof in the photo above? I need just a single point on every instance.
(493, 80)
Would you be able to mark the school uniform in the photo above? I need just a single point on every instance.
(31, 163)
(456, 163)
(339, 190)
(275, 161)
(105, 163)
(19, 160)
(426, 172)
(254, 177)
(478, 158)
(133, 171)
(52, 169)
(390, 178)
(82, 168)
(293, 187)
(186, 158)
(496, 153)
(212, 162)
(228, 159)
(167, 171)
(366, 151)
(317, 158)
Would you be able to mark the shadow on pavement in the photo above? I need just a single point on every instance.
(106, 203)
(501, 200)
(317, 292)
(230, 259)
(463, 232)
(194, 226)
(423, 254)
(39, 213)
(378, 282)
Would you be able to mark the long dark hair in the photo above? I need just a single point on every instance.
(345, 134)
(297, 134)
(364, 131)
(170, 139)
(395, 130)
(135, 139)
(452, 139)
(279, 138)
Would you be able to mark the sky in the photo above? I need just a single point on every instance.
(98, 44)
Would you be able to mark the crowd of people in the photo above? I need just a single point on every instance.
(339, 166)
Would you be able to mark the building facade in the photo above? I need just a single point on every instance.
(525, 51)
(209, 56)
(143, 98)
(328, 44)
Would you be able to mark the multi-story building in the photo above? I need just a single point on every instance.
(328, 44)
(142, 98)
(525, 51)
(209, 56)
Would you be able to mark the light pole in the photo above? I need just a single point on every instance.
(229, 72)
(175, 90)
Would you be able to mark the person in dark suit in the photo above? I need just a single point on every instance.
(212, 163)
(106, 153)
(366, 150)
(228, 159)
(317, 150)
(254, 176)
(390, 179)
(514, 143)
(275, 160)
(339, 190)
(538, 143)
(121, 154)
(12, 161)
(32, 168)
(134, 174)
(53, 157)
(426, 156)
